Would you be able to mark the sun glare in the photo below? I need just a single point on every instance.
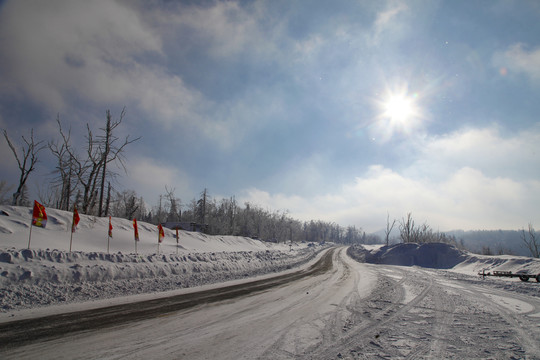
(399, 112)
(398, 108)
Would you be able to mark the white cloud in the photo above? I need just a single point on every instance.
(460, 196)
(519, 58)
(386, 22)
(514, 156)
(149, 177)
(64, 50)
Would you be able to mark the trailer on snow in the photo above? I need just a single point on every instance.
(522, 275)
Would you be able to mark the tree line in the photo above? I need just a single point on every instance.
(83, 177)
(225, 216)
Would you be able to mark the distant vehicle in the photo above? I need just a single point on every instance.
(522, 275)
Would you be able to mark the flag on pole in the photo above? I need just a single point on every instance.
(76, 219)
(110, 227)
(161, 234)
(39, 217)
(136, 230)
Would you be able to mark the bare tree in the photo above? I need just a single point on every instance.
(111, 151)
(389, 228)
(201, 207)
(175, 212)
(66, 181)
(406, 229)
(531, 241)
(91, 169)
(27, 162)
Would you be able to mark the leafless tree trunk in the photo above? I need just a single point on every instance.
(406, 229)
(27, 162)
(531, 241)
(389, 228)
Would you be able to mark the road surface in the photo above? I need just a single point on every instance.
(337, 309)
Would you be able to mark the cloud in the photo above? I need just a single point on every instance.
(99, 51)
(520, 59)
(514, 156)
(149, 177)
(384, 18)
(386, 22)
(469, 191)
(60, 47)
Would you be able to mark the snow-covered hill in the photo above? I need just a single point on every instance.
(48, 273)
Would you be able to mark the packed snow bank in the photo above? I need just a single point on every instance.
(44, 275)
(32, 278)
(443, 256)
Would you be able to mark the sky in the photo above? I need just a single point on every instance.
(344, 111)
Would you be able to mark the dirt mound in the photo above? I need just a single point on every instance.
(430, 255)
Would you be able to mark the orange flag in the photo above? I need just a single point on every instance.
(161, 234)
(110, 227)
(76, 219)
(136, 229)
(39, 217)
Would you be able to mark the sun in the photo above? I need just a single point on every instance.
(399, 108)
(399, 112)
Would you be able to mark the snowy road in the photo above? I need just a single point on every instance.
(346, 310)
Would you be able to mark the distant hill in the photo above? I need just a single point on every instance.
(498, 241)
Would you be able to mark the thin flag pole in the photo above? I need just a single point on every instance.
(71, 238)
(30, 235)
(176, 241)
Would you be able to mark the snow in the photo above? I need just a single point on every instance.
(400, 301)
(444, 256)
(48, 274)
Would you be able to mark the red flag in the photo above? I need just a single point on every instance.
(161, 234)
(110, 227)
(177, 238)
(136, 229)
(76, 219)
(39, 217)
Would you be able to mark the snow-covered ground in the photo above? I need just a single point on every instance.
(48, 274)
(405, 301)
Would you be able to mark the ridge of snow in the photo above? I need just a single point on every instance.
(48, 274)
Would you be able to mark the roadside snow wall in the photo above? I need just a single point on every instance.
(30, 278)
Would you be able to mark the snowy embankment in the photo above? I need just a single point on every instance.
(48, 273)
(443, 256)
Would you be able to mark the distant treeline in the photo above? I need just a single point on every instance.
(227, 217)
(492, 242)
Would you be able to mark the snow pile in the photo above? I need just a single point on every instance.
(430, 255)
(40, 276)
(476, 263)
(443, 256)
